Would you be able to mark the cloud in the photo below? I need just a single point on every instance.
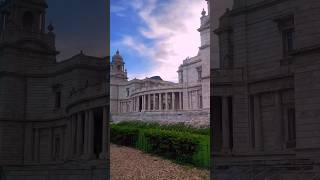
(118, 10)
(172, 26)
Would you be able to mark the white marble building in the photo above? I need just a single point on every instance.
(53, 115)
(153, 99)
(265, 91)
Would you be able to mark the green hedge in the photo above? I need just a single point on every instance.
(180, 127)
(177, 142)
(173, 145)
(123, 135)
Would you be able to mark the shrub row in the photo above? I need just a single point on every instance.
(124, 135)
(173, 145)
(177, 142)
(180, 127)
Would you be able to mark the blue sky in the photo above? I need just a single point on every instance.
(79, 25)
(155, 36)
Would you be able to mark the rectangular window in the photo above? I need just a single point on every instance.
(128, 92)
(291, 128)
(58, 99)
(286, 28)
(181, 76)
(199, 70)
(288, 40)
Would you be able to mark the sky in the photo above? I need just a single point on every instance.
(79, 25)
(155, 36)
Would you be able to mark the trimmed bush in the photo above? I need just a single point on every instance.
(178, 142)
(174, 145)
(180, 127)
(123, 135)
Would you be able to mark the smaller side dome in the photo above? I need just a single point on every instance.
(117, 57)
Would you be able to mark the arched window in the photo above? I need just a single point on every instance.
(27, 20)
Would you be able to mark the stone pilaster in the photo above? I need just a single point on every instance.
(28, 143)
(278, 117)
(104, 124)
(36, 145)
(173, 101)
(225, 126)
(50, 143)
(257, 124)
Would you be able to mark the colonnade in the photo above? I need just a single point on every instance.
(166, 101)
(74, 139)
(81, 139)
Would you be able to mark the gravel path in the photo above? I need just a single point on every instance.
(131, 164)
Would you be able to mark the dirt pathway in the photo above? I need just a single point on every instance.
(131, 164)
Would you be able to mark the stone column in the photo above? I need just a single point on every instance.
(28, 143)
(154, 101)
(90, 133)
(149, 102)
(180, 100)
(142, 103)
(137, 104)
(104, 124)
(79, 134)
(69, 137)
(166, 100)
(257, 124)
(279, 120)
(225, 125)
(133, 104)
(160, 102)
(173, 101)
(86, 132)
(73, 135)
(50, 143)
(36, 145)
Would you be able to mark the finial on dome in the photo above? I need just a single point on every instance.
(203, 12)
(118, 52)
(50, 27)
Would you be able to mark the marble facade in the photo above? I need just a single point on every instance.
(53, 115)
(264, 93)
